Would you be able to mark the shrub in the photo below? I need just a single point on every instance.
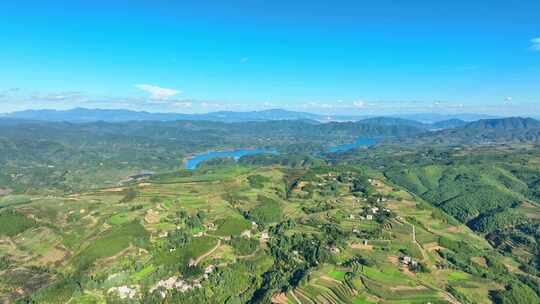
(13, 223)
(267, 211)
(243, 246)
(257, 181)
(515, 293)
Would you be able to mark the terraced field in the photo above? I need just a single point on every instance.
(320, 235)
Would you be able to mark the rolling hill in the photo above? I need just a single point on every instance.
(396, 121)
(512, 129)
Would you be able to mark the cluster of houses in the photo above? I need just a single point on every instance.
(162, 286)
(408, 261)
(173, 283)
(125, 292)
(369, 214)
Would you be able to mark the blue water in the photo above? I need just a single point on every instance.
(193, 162)
(361, 142)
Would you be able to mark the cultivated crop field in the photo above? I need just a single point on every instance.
(239, 233)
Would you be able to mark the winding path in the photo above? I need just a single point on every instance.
(202, 257)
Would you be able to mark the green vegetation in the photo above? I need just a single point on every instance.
(12, 200)
(73, 157)
(13, 223)
(266, 211)
(515, 293)
(258, 181)
(112, 242)
(232, 226)
(388, 224)
(244, 246)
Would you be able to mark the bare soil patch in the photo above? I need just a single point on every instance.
(480, 261)
(117, 189)
(361, 246)
(452, 229)
(393, 259)
(52, 256)
(5, 191)
(432, 246)
(151, 217)
(280, 298)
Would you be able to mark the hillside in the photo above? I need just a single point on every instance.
(75, 156)
(503, 130)
(104, 212)
(493, 190)
(245, 234)
(396, 121)
(448, 124)
(393, 121)
(506, 124)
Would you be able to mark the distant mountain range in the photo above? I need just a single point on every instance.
(421, 120)
(430, 118)
(511, 129)
(396, 121)
(88, 115)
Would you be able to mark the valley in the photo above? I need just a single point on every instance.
(269, 152)
(380, 224)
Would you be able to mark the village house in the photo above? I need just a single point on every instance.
(406, 260)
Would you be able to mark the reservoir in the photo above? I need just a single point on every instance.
(193, 162)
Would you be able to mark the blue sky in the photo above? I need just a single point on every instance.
(354, 57)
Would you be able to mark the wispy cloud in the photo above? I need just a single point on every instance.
(183, 104)
(158, 92)
(61, 96)
(244, 60)
(535, 44)
(359, 104)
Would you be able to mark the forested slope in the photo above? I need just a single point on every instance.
(74, 156)
(494, 194)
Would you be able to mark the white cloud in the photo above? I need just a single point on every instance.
(182, 104)
(158, 92)
(508, 99)
(535, 44)
(359, 104)
(71, 96)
